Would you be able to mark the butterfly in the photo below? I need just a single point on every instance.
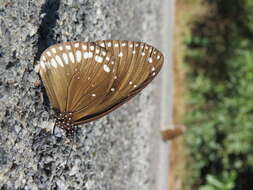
(87, 80)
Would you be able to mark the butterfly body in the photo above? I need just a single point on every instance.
(87, 80)
(65, 122)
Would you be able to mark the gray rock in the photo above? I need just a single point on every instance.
(113, 153)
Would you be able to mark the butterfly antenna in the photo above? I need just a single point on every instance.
(71, 150)
(54, 128)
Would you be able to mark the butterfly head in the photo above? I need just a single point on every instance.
(65, 122)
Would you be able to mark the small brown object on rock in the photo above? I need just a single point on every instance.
(170, 134)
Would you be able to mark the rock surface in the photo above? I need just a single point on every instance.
(113, 153)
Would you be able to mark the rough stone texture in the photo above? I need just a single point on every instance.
(113, 153)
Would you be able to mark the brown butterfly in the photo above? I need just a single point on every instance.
(87, 80)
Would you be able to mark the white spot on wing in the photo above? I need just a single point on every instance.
(112, 89)
(150, 60)
(78, 56)
(107, 58)
(92, 48)
(153, 68)
(53, 63)
(124, 44)
(142, 53)
(76, 45)
(99, 59)
(109, 44)
(93, 95)
(43, 65)
(86, 55)
(65, 58)
(120, 54)
(59, 61)
(84, 47)
(158, 57)
(90, 54)
(106, 68)
(49, 53)
(116, 45)
(53, 50)
(68, 47)
(43, 58)
(60, 48)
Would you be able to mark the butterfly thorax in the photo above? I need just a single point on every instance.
(65, 121)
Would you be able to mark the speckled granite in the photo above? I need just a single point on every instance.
(113, 153)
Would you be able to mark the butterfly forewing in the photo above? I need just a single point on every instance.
(137, 64)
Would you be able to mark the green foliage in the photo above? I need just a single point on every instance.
(220, 106)
(225, 182)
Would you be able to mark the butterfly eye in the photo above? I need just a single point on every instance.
(85, 81)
